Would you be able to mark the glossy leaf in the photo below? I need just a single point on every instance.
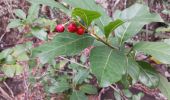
(89, 89)
(20, 13)
(91, 5)
(148, 76)
(158, 50)
(136, 16)
(86, 15)
(112, 26)
(78, 95)
(63, 44)
(164, 86)
(107, 65)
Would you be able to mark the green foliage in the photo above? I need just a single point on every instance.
(136, 17)
(158, 50)
(86, 15)
(148, 76)
(33, 12)
(164, 86)
(51, 3)
(78, 95)
(59, 87)
(112, 26)
(14, 23)
(39, 33)
(89, 89)
(107, 65)
(63, 44)
(80, 76)
(20, 13)
(9, 59)
(91, 5)
(133, 69)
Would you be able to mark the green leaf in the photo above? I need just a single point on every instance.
(137, 16)
(127, 93)
(117, 96)
(91, 5)
(133, 70)
(89, 89)
(63, 44)
(166, 11)
(18, 50)
(20, 13)
(112, 26)
(80, 76)
(22, 57)
(86, 15)
(148, 76)
(59, 87)
(138, 96)
(51, 3)
(33, 12)
(14, 23)
(9, 70)
(78, 95)
(10, 60)
(158, 50)
(167, 41)
(107, 65)
(164, 86)
(39, 33)
(18, 69)
(5, 53)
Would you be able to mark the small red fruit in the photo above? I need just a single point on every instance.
(72, 27)
(80, 30)
(60, 28)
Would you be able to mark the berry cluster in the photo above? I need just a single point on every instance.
(72, 27)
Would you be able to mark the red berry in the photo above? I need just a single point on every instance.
(80, 30)
(60, 28)
(72, 27)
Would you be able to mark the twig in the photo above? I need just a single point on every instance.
(101, 40)
(100, 93)
(12, 94)
(119, 92)
(74, 62)
(9, 7)
(5, 95)
(25, 83)
(2, 36)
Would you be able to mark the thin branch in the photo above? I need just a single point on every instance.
(2, 36)
(119, 92)
(5, 95)
(12, 94)
(101, 40)
(74, 62)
